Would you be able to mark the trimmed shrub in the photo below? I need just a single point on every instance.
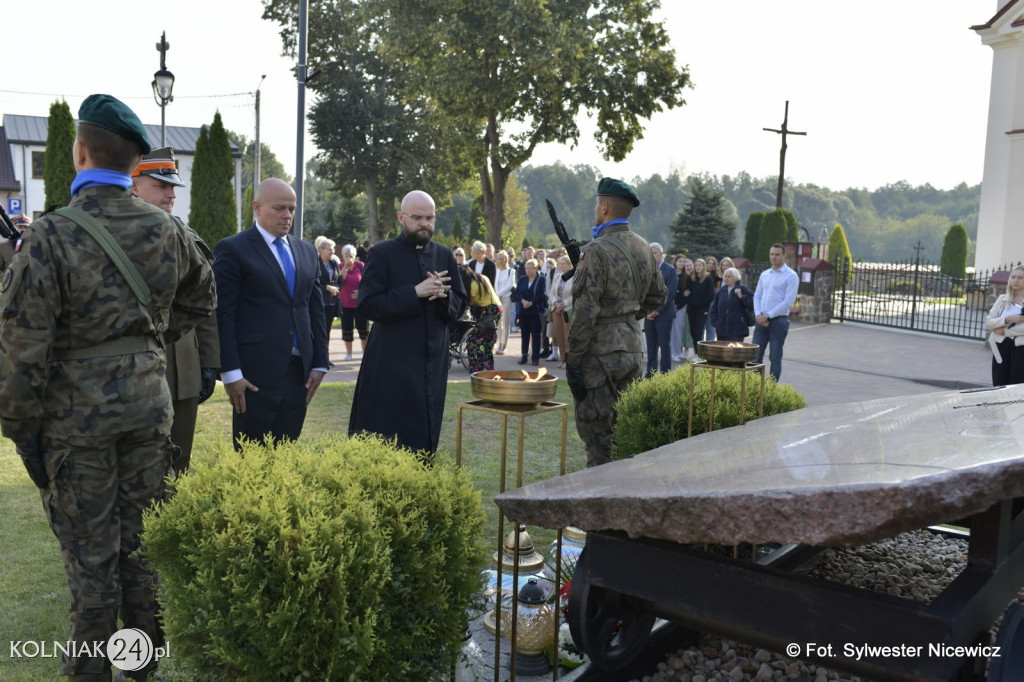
(905, 287)
(331, 560)
(653, 412)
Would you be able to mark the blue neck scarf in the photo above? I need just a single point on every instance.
(597, 230)
(96, 177)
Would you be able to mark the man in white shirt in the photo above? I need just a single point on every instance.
(775, 294)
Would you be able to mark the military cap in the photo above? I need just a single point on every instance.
(21, 220)
(159, 164)
(610, 187)
(110, 113)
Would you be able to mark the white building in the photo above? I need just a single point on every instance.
(23, 147)
(1001, 214)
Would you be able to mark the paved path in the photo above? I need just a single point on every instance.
(828, 363)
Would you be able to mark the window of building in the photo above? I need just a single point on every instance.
(37, 164)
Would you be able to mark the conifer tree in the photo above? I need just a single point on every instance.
(750, 236)
(58, 163)
(954, 252)
(703, 226)
(839, 254)
(458, 233)
(792, 226)
(213, 197)
(773, 231)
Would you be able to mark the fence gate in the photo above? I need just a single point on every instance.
(916, 295)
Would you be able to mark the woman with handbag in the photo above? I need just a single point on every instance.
(485, 307)
(350, 276)
(732, 307)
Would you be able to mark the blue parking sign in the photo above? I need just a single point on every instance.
(14, 207)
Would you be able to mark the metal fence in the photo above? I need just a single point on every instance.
(916, 295)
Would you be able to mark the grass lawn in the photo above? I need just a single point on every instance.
(33, 589)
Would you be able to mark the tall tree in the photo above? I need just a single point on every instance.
(954, 252)
(58, 163)
(212, 213)
(773, 231)
(792, 226)
(517, 205)
(752, 234)
(523, 71)
(380, 134)
(703, 226)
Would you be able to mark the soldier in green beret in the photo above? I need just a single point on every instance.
(85, 310)
(617, 283)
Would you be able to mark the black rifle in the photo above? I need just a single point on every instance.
(572, 247)
(7, 229)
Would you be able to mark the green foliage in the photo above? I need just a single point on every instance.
(954, 252)
(212, 213)
(247, 215)
(773, 231)
(751, 234)
(458, 233)
(270, 166)
(654, 412)
(328, 212)
(489, 70)
(905, 287)
(58, 161)
(839, 253)
(792, 227)
(329, 559)
(702, 227)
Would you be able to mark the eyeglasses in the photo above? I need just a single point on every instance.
(417, 218)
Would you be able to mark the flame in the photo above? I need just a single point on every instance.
(734, 344)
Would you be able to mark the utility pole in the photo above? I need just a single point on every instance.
(300, 75)
(782, 154)
(256, 143)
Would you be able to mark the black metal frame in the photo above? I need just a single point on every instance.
(901, 295)
(768, 605)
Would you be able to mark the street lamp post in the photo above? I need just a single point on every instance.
(163, 85)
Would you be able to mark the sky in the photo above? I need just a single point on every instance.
(886, 91)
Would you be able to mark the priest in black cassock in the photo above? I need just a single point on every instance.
(412, 293)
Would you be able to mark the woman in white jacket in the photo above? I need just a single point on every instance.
(560, 305)
(1006, 322)
(504, 283)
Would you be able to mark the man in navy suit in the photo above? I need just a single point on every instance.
(270, 313)
(658, 325)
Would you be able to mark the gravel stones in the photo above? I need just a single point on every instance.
(916, 565)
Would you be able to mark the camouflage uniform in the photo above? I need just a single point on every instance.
(101, 420)
(605, 336)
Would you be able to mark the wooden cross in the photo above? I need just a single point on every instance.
(782, 154)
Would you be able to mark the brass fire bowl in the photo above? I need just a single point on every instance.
(511, 389)
(727, 353)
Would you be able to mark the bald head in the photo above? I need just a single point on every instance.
(418, 216)
(273, 205)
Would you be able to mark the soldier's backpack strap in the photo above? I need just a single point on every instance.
(121, 261)
(632, 266)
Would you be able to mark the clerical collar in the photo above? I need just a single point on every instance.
(598, 230)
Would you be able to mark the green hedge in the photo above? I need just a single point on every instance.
(330, 560)
(653, 412)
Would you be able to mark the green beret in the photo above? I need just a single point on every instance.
(110, 113)
(609, 187)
